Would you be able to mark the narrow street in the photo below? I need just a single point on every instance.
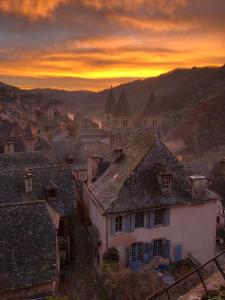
(79, 279)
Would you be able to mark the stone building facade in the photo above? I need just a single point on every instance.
(145, 206)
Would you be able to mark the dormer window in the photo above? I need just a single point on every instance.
(166, 182)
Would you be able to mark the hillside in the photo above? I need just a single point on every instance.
(72, 99)
(175, 90)
(191, 103)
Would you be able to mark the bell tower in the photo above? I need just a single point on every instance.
(107, 121)
(150, 118)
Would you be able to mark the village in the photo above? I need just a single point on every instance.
(81, 202)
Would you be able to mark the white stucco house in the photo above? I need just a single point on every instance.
(145, 205)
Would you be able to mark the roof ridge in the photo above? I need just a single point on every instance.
(22, 203)
(36, 168)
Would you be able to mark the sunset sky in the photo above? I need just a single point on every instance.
(91, 44)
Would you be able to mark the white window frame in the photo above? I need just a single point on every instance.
(137, 252)
(157, 249)
(166, 182)
(158, 217)
(119, 223)
(140, 220)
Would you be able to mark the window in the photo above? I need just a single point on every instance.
(166, 182)
(157, 248)
(125, 123)
(137, 252)
(119, 223)
(154, 123)
(158, 217)
(139, 219)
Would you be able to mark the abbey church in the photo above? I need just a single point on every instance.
(119, 121)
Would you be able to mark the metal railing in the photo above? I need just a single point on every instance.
(166, 290)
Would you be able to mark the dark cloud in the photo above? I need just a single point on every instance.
(107, 39)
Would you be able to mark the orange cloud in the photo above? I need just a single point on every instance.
(33, 9)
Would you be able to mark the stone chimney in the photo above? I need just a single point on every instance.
(28, 182)
(92, 167)
(9, 147)
(119, 154)
(199, 185)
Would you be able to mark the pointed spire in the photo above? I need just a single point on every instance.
(123, 108)
(150, 106)
(110, 102)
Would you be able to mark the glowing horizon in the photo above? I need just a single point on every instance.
(91, 44)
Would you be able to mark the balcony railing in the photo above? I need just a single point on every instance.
(166, 291)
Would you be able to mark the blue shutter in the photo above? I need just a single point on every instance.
(166, 249)
(166, 217)
(152, 218)
(127, 223)
(151, 251)
(148, 219)
(132, 222)
(129, 255)
(113, 225)
(178, 253)
(147, 252)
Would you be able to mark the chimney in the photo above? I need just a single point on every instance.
(199, 185)
(119, 154)
(9, 147)
(28, 182)
(92, 167)
(51, 189)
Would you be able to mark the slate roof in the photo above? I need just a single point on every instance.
(122, 108)
(131, 182)
(27, 133)
(12, 187)
(27, 246)
(19, 160)
(11, 132)
(19, 145)
(110, 103)
(84, 132)
(217, 174)
(61, 150)
(7, 127)
(8, 100)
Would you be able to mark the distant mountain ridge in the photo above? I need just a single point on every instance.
(191, 103)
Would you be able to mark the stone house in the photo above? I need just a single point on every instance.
(144, 205)
(29, 256)
(15, 139)
(30, 115)
(94, 140)
(217, 175)
(37, 207)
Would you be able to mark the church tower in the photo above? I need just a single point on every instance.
(150, 118)
(107, 122)
(122, 120)
(122, 117)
